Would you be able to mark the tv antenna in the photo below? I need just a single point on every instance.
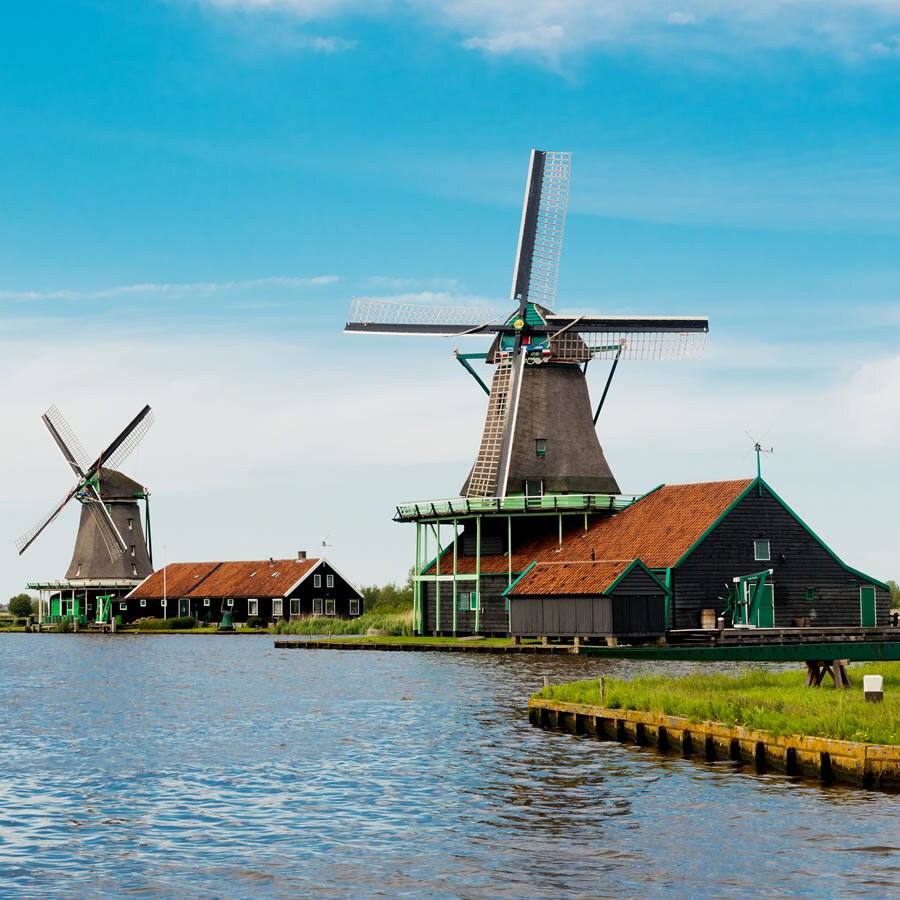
(759, 449)
(325, 542)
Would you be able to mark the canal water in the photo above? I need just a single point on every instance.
(219, 766)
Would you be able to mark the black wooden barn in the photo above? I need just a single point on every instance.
(271, 589)
(696, 539)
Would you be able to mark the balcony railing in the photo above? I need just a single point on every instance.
(458, 507)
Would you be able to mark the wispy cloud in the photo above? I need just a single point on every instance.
(552, 28)
(174, 289)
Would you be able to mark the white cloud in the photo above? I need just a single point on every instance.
(168, 288)
(549, 28)
(263, 445)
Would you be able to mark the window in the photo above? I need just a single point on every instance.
(540, 447)
(108, 507)
(295, 606)
(354, 606)
(132, 549)
(473, 600)
(317, 581)
(253, 607)
(143, 603)
(123, 606)
(317, 606)
(462, 600)
(133, 569)
(761, 551)
(851, 582)
(131, 524)
(206, 601)
(329, 581)
(229, 603)
(810, 595)
(78, 570)
(329, 606)
(277, 606)
(163, 602)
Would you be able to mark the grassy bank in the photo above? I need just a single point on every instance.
(398, 622)
(774, 702)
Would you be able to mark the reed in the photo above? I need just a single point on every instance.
(399, 623)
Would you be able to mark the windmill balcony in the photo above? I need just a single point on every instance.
(517, 503)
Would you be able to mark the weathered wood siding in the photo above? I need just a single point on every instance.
(494, 615)
(798, 560)
(637, 608)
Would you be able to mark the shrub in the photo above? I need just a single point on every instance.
(184, 623)
(63, 626)
(255, 622)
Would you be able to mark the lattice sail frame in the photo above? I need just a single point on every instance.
(367, 311)
(551, 222)
(664, 345)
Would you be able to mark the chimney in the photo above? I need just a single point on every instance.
(301, 554)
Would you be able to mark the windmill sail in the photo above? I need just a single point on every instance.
(541, 231)
(386, 317)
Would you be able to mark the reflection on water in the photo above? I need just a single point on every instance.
(219, 766)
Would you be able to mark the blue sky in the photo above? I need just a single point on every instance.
(190, 193)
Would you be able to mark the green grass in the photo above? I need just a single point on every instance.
(397, 622)
(774, 702)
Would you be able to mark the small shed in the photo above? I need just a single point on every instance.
(620, 598)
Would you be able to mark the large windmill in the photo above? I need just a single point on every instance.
(539, 434)
(110, 548)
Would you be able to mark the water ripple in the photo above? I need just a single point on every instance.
(158, 766)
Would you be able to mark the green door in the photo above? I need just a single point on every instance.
(184, 607)
(867, 607)
(765, 612)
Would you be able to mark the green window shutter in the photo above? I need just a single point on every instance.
(810, 595)
(473, 600)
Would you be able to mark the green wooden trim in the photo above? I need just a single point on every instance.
(631, 565)
(519, 579)
(822, 543)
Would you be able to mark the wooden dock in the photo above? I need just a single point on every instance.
(407, 647)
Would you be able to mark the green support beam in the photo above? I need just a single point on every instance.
(463, 360)
(855, 651)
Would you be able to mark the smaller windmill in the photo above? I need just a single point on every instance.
(110, 545)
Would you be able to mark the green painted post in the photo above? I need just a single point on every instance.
(455, 543)
(477, 574)
(509, 548)
(668, 595)
(436, 528)
(417, 585)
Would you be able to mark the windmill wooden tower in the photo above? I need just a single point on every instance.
(111, 553)
(539, 458)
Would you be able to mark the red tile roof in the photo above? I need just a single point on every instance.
(570, 579)
(661, 527)
(254, 578)
(657, 529)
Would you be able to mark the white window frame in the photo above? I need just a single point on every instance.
(317, 606)
(206, 601)
(277, 607)
(295, 606)
(756, 550)
(143, 602)
(164, 603)
(123, 605)
(317, 581)
(252, 607)
(329, 581)
(354, 606)
(329, 606)
(229, 602)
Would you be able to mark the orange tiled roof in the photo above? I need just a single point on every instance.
(660, 528)
(226, 579)
(570, 579)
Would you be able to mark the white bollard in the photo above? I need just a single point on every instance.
(873, 688)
